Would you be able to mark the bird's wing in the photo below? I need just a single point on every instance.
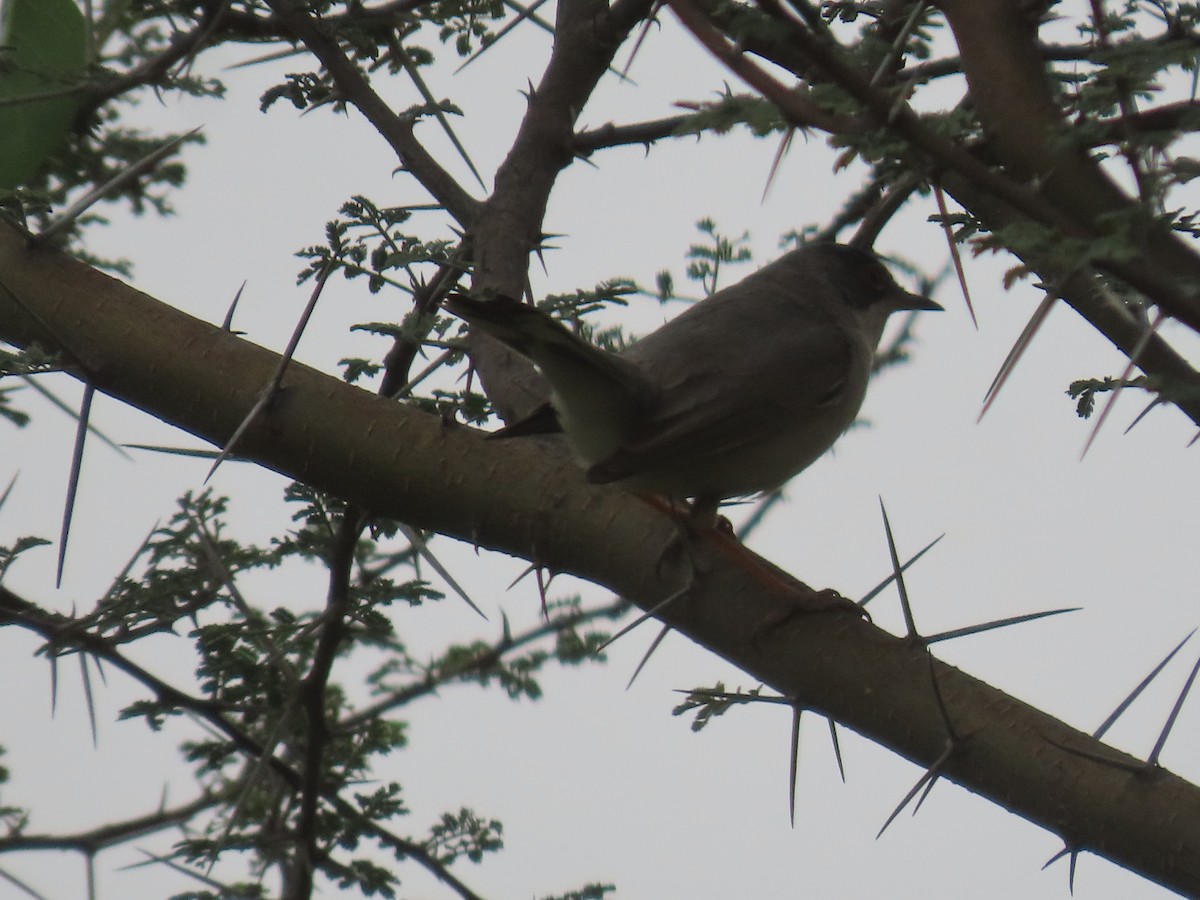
(786, 376)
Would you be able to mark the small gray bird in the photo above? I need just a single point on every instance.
(732, 397)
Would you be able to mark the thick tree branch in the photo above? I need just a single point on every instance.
(1047, 173)
(921, 72)
(891, 113)
(996, 192)
(512, 497)
(802, 112)
(1078, 288)
(1025, 128)
(586, 37)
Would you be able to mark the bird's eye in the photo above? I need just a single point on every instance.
(877, 277)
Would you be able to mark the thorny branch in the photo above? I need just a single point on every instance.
(505, 227)
(65, 634)
(994, 196)
(397, 131)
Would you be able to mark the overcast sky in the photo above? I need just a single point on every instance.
(596, 783)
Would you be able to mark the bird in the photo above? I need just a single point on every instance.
(731, 398)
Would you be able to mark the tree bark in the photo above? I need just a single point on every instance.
(526, 499)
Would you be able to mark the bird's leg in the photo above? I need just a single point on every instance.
(699, 521)
(687, 529)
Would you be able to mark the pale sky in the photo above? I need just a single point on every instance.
(596, 783)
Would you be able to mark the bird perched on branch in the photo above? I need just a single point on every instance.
(732, 397)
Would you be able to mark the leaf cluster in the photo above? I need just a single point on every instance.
(254, 664)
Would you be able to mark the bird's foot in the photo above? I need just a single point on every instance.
(806, 601)
(697, 523)
(690, 529)
(803, 600)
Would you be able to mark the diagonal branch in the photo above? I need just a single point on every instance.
(96, 839)
(1079, 289)
(999, 200)
(1012, 94)
(397, 131)
(516, 498)
(1041, 174)
(510, 225)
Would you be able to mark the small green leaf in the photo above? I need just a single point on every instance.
(43, 51)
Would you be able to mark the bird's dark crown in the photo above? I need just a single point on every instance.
(859, 276)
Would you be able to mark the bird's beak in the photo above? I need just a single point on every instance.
(905, 300)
